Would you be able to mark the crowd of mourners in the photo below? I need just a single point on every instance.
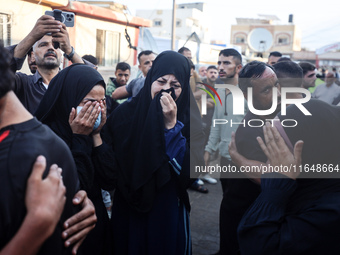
(89, 167)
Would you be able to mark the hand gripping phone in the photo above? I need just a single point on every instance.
(65, 17)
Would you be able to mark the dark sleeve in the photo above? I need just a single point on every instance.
(247, 144)
(21, 81)
(105, 164)
(175, 144)
(267, 227)
(16, 63)
(81, 149)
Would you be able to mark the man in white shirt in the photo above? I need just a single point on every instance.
(328, 91)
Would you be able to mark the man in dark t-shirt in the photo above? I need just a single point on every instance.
(242, 191)
(22, 139)
(263, 80)
(25, 141)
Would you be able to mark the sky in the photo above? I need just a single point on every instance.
(319, 24)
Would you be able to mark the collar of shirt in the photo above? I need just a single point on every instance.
(37, 77)
(227, 91)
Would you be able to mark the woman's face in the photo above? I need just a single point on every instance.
(166, 82)
(96, 94)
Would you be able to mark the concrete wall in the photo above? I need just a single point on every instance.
(23, 18)
(85, 43)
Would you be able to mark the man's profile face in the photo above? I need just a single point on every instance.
(263, 90)
(146, 63)
(309, 79)
(212, 75)
(187, 54)
(122, 77)
(272, 60)
(31, 62)
(227, 67)
(45, 54)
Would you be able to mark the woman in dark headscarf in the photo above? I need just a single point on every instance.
(298, 212)
(151, 138)
(81, 87)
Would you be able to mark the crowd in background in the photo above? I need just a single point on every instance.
(119, 154)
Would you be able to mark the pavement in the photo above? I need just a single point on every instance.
(204, 218)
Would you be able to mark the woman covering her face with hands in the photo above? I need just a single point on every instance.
(74, 108)
(150, 137)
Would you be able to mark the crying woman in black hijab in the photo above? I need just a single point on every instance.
(150, 136)
(74, 108)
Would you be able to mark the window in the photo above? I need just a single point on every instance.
(157, 23)
(283, 40)
(107, 47)
(240, 39)
(5, 28)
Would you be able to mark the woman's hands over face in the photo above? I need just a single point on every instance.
(169, 108)
(83, 122)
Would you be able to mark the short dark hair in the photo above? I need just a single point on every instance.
(275, 54)
(211, 67)
(250, 71)
(6, 74)
(282, 59)
(145, 52)
(30, 51)
(91, 59)
(232, 52)
(289, 74)
(181, 50)
(123, 66)
(306, 66)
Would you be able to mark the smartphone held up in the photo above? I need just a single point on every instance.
(65, 17)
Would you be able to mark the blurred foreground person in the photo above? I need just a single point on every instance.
(298, 212)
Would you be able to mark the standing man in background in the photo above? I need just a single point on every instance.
(274, 56)
(145, 59)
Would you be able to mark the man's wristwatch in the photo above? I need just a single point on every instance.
(69, 56)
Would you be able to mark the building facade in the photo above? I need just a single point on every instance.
(190, 18)
(259, 37)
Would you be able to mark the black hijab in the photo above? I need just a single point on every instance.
(136, 131)
(320, 133)
(66, 90)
